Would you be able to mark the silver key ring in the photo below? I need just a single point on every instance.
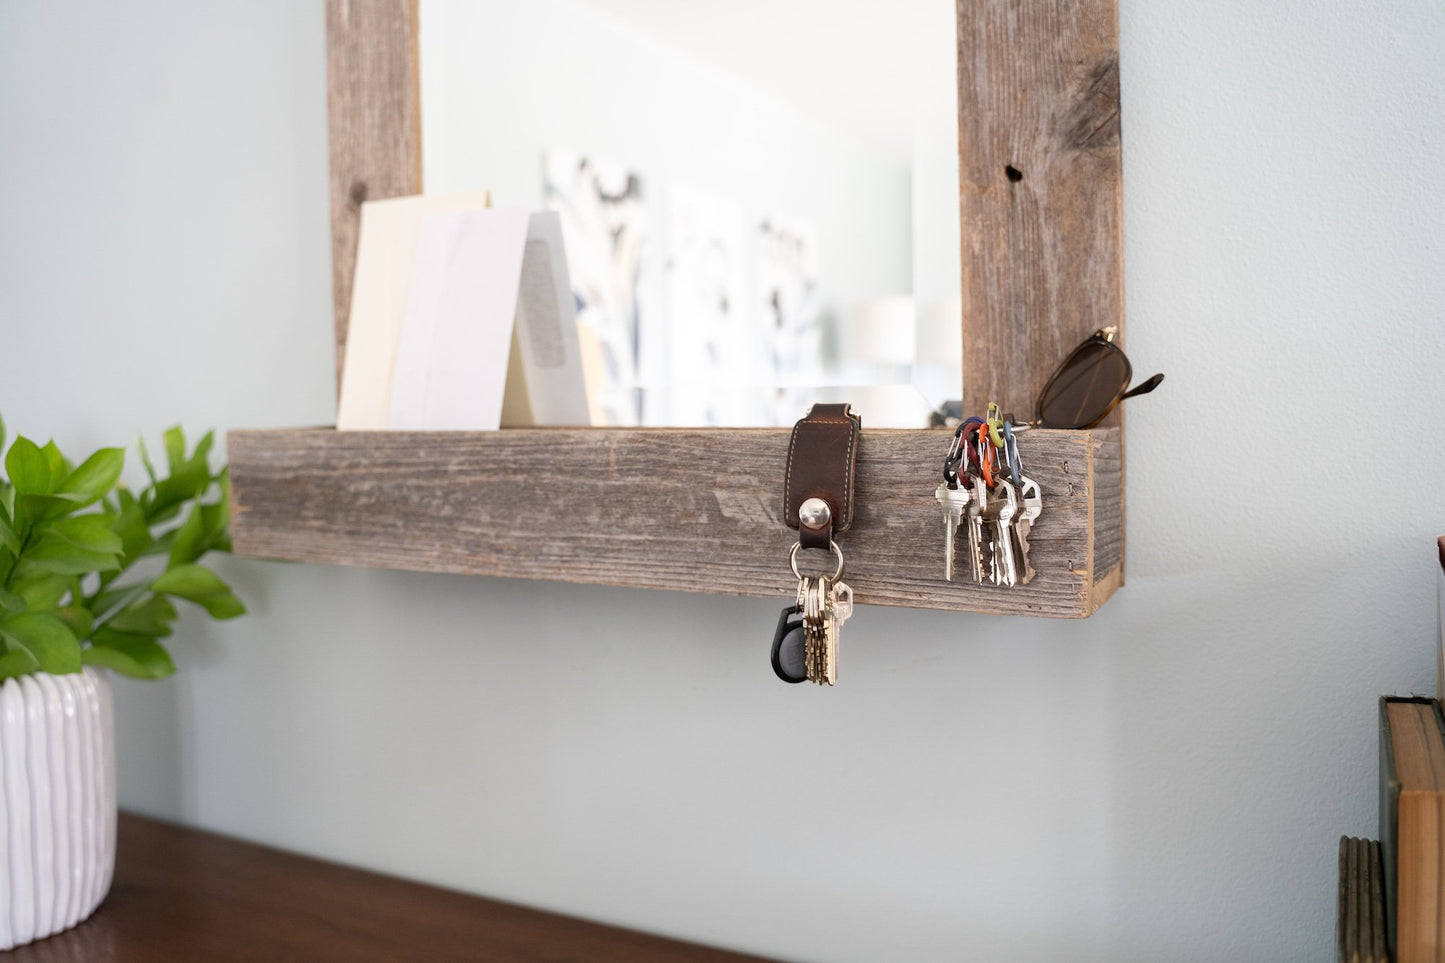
(832, 547)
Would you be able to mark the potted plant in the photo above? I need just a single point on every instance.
(89, 575)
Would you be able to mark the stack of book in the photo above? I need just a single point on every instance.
(1360, 925)
(1392, 892)
(1412, 816)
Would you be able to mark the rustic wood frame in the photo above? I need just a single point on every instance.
(700, 510)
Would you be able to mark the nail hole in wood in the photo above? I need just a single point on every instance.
(1013, 173)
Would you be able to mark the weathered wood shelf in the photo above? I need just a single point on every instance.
(700, 510)
(690, 510)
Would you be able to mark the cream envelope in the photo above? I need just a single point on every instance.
(385, 254)
(451, 358)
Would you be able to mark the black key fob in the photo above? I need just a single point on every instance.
(789, 646)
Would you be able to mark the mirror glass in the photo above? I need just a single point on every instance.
(759, 200)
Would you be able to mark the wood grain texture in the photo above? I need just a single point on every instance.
(373, 107)
(689, 510)
(185, 895)
(1040, 190)
(1108, 528)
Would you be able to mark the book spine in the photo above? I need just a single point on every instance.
(1389, 820)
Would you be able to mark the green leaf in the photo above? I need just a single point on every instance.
(77, 619)
(133, 655)
(201, 586)
(188, 581)
(94, 533)
(42, 592)
(59, 467)
(145, 457)
(55, 555)
(108, 599)
(2, 433)
(28, 468)
(46, 638)
(164, 511)
(12, 603)
(189, 543)
(17, 662)
(190, 481)
(175, 442)
(216, 517)
(160, 546)
(202, 454)
(129, 522)
(96, 476)
(43, 508)
(189, 477)
(151, 618)
(8, 538)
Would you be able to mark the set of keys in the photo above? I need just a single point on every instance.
(985, 492)
(805, 646)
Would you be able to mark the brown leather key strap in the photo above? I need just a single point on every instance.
(821, 459)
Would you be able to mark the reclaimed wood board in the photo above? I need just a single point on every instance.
(1040, 190)
(1108, 525)
(373, 107)
(682, 509)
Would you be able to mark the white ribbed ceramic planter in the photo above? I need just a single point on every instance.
(57, 802)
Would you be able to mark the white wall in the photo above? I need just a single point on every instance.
(1165, 781)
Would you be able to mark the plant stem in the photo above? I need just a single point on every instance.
(136, 592)
(15, 563)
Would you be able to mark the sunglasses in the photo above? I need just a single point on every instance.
(1090, 383)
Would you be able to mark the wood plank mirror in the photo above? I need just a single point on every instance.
(699, 509)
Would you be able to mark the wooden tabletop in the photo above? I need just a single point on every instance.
(180, 894)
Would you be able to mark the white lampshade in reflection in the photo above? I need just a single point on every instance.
(879, 331)
(940, 332)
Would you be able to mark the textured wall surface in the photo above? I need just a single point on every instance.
(1167, 780)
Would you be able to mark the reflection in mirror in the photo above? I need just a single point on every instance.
(759, 201)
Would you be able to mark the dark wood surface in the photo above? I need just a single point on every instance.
(1040, 190)
(681, 509)
(185, 895)
(373, 108)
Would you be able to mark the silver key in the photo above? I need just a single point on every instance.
(1033, 506)
(977, 506)
(842, 603)
(1005, 566)
(954, 502)
(838, 608)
